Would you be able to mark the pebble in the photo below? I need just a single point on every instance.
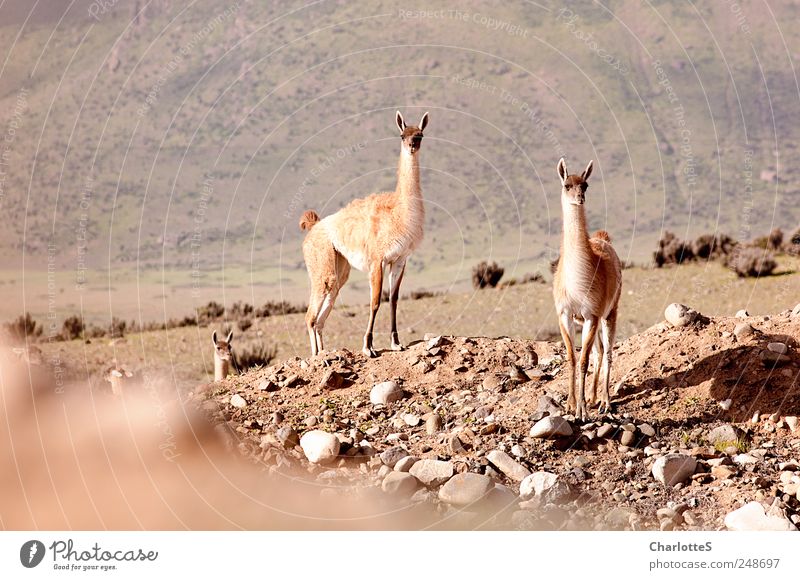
(796, 310)
(238, 401)
(385, 393)
(405, 463)
(726, 433)
(287, 436)
(411, 420)
(791, 422)
(779, 347)
(465, 488)
(331, 380)
(605, 431)
(743, 330)
(770, 357)
(310, 422)
(433, 424)
(628, 438)
(399, 483)
(392, 455)
(508, 465)
(432, 472)
(679, 314)
(753, 517)
(673, 469)
(268, 386)
(319, 446)
(744, 459)
(551, 427)
(647, 430)
(742, 314)
(726, 404)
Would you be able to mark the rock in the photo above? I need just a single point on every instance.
(723, 471)
(628, 438)
(647, 430)
(392, 455)
(796, 310)
(433, 424)
(725, 435)
(455, 445)
(679, 315)
(405, 463)
(744, 459)
(673, 469)
(268, 386)
(690, 518)
(411, 420)
(287, 436)
(238, 401)
(519, 451)
(319, 446)
(400, 484)
(605, 431)
(771, 358)
(385, 393)
(507, 465)
(753, 517)
(791, 422)
(310, 421)
(726, 404)
(492, 383)
(551, 427)
(331, 380)
(743, 330)
(742, 314)
(548, 405)
(432, 472)
(465, 488)
(548, 487)
(779, 347)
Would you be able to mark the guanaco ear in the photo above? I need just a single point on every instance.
(562, 170)
(424, 122)
(400, 123)
(588, 171)
(230, 337)
(214, 338)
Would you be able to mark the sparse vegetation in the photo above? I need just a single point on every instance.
(72, 328)
(278, 308)
(751, 261)
(257, 354)
(486, 274)
(22, 328)
(209, 313)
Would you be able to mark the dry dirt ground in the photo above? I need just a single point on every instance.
(465, 397)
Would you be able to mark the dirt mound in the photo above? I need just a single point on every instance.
(470, 403)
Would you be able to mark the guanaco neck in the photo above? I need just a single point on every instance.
(220, 368)
(575, 248)
(411, 206)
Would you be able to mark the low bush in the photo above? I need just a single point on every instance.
(485, 274)
(751, 261)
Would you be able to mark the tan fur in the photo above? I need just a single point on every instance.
(223, 355)
(118, 376)
(308, 220)
(368, 234)
(587, 286)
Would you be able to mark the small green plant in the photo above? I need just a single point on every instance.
(741, 444)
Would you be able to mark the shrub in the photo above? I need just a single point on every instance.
(95, 332)
(257, 354)
(245, 323)
(485, 274)
(275, 308)
(534, 278)
(240, 309)
(672, 250)
(210, 312)
(117, 327)
(72, 328)
(419, 294)
(24, 326)
(775, 239)
(792, 246)
(710, 246)
(751, 261)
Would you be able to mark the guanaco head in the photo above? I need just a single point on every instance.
(573, 187)
(222, 348)
(411, 136)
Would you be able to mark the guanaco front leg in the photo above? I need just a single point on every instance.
(566, 325)
(375, 287)
(396, 271)
(587, 341)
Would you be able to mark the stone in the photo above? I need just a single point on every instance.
(744, 459)
(628, 438)
(319, 446)
(331, 380)
(725, 434)
(753, 517)
(743, 330)
(511, 468)
(310, 421)
(770, 358)
(432, 472)
(548, 405)
(679, 314)
(268, 386)
(791, 422)
(551, 427)
(796, 310)
(742, 314)
(455, 445)
(605, 431)
(411, 419)
(723, 471)
(465, 489)
(385, 393)
(405, 463)
(287, 436)
(546, 486)
(238, 401)
(400, 484)
(673, 469)
(779, 347)
(433, 424)
(647, 430)
(726, 404)
(392, 455)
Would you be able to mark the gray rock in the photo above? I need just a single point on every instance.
(432, 472)
(753, 517)
(405, 463)
(507, 465)
(725, 434)
(551, 427)
(679, 314)
(238, 401)
(796, 310)
(433, 424)
(287, 436)
(628, 438)
(392, 455)
(791, 422)
(548, 487)
(673, 469)
(743, 330)
(465, 488)
(779, 347)
(647, 430)
(400, 484)
(385, 393)
(769, 357)
(605, 431)
(548, 404)
(742, 314)
(319, 446)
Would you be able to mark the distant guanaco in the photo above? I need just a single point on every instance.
(587, 286)
(223, 356)
(369, 234)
